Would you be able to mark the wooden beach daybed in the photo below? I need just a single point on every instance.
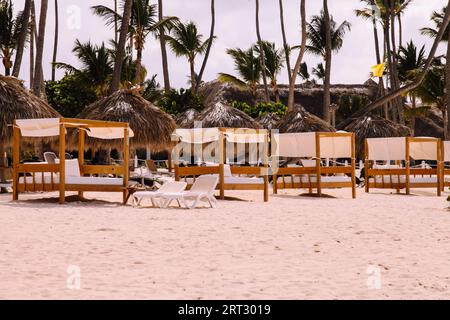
(219, 151)
(388, 163)
(445, 152)
(70, 174)
(317, 154)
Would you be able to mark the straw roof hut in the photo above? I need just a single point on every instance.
(151, 126)
(187, 118)
(268, 120)
(220, 115)
(300, 120)
(18, 103)
(374, 127)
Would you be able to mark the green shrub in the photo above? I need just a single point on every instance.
(69, 95)
(176, 102)
(261, 108)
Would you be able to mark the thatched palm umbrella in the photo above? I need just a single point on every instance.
(152, 127)
(18, 103)
(268, 120)
(220, 115)
(300, 120)
(374, 127)
(186, 120)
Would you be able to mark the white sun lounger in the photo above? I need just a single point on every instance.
(202, 190)
(168, 187)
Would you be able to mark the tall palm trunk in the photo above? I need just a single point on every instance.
(116, 25)
(275, 90)
(400, 30)
(162, 41)
(120, 55)
(447, 84)
(208, 49)
(298, 63)
(262, 59)
(22, 38)
(139, 48)
(193, 77)
(285, 44)
(38, 74)
(327, 80)
(32, 31)
(413, 117)
(7, 61)
(55, 43)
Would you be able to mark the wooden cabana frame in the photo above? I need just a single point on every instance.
(402, 175)
(445, 156)
(189, 173)
(318, 175)
(56, 173)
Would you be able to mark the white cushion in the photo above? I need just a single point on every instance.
(305, 179)
(94, 181)
(387, 166)
(412, 179)
(72, 167)
(233, 180)
(227, 170)
(308, 163)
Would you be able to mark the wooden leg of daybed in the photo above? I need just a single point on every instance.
(266, 188)
(275, 184)
(125, 197)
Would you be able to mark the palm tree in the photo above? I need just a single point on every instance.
(319, 72)
(273, 60)
(369, 13)
(186, 41)
(38, 81)
(248, 67)
(438, 18)
(433, 92)
(299, 57)
(162, 41)
(55, 43)
(22, 38)
(304, 73)
(400, 7)
(143, 22)
(410, 63)
(97, 65)
(125, 21)
(287, 48)
(10, 28)
(261, 55)
(208, 49)
(317, 45)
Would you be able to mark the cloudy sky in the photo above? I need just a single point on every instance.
(234, 28)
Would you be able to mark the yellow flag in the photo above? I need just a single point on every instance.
(378, 70)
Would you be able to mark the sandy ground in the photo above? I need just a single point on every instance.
(381, 245)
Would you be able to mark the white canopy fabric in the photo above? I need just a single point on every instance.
(245, 138)
(447, 151)
(386, 149)
(50, 128)
(197, 135)
(424, 150)
(301, 145)
(39, 127)
(108, 133)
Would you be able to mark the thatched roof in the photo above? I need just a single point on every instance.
(221, 115)
(152, 127)
(187, 118)
(374, 127)
(301, 120)
(18, 103)
(268, 120)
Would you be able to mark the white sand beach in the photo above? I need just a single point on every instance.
(290, 248)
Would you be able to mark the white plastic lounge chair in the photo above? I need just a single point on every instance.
(203, 189)
(168, 187)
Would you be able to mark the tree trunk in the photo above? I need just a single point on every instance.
(116, 26)
(208, 49)
(261, 55)
(413, 116)
(55, 43)
(120, 55)
(138, 77)
(285, 44)
(162, 41)
(22, 38)
(38, 75)
(328, 57)
(298, 63)
(32, 31)
(400, 30)
(377, 41)
(413, 84)
(275, 90)
(447, 84)
(192, 68)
